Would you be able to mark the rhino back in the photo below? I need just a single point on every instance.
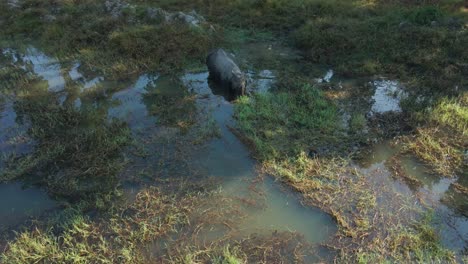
(221, 65)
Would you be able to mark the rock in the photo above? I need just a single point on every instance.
(225, 72)
(454, 23)
(404, 24)
(49, 18)
(13, 4)
(192, 18)
(115, 7)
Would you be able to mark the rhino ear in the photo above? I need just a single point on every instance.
(236, 72)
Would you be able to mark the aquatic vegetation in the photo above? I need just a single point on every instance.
(357, 123)
(171, 102)
(441, 139)
(282, 127)
(77, 152)
(436, 149)
(174, 217)
(295, 130)
(279, 247)
(75, 238)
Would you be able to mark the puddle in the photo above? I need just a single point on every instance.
(280, 210)
(145, 103)
(13, 138)
(227, 158)
(18, 204)
(260, 82)
(453, 227)
(131, 107)
(48, 68)
(387, 96)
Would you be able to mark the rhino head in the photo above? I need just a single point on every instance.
(238, 82)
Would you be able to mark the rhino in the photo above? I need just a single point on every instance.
(225, 72)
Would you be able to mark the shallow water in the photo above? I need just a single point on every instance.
(452, 226)
(387, 96)
(47, 68)
(224, 157)
(137, 101)
(227, 157)
(18, 204)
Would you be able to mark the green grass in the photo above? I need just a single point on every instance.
(283, 126)
(271, 119)
(419, 41)
(75, 238)
(452, 113)
(117, 46)
(441, 137)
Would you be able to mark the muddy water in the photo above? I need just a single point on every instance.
(136, 102)
(452, 225)
(133, 101)
(17, 204)
(228, 158)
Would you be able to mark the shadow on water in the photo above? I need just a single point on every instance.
(221, 90)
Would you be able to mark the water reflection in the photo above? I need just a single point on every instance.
(436, 191)
(18, 204)
(67, 139)
(228, 158)
(387, 96)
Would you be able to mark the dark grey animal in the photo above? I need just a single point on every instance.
(225, 72)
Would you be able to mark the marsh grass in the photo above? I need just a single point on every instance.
(271, 119)
(173, 104)
(118, 45)
(179, 215)
(442, 137)
(119, 237)
(376, 223)
(420, 41)
(278, 247)
(77, 152)
(423, 40)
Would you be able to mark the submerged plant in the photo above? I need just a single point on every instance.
(77, 151)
